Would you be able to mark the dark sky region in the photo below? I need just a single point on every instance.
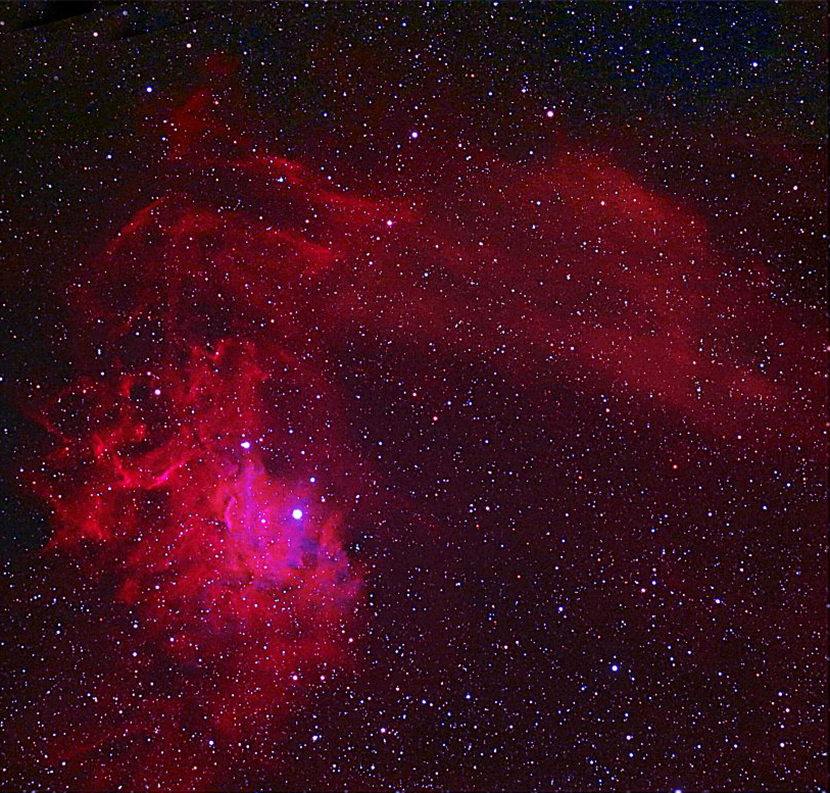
(414, 397)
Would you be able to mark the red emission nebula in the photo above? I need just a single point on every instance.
(210, 494)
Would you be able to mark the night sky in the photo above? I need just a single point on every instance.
(410, 397)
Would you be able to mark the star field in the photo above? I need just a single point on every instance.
(416, 396)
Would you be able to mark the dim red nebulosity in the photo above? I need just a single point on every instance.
(202, 473)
